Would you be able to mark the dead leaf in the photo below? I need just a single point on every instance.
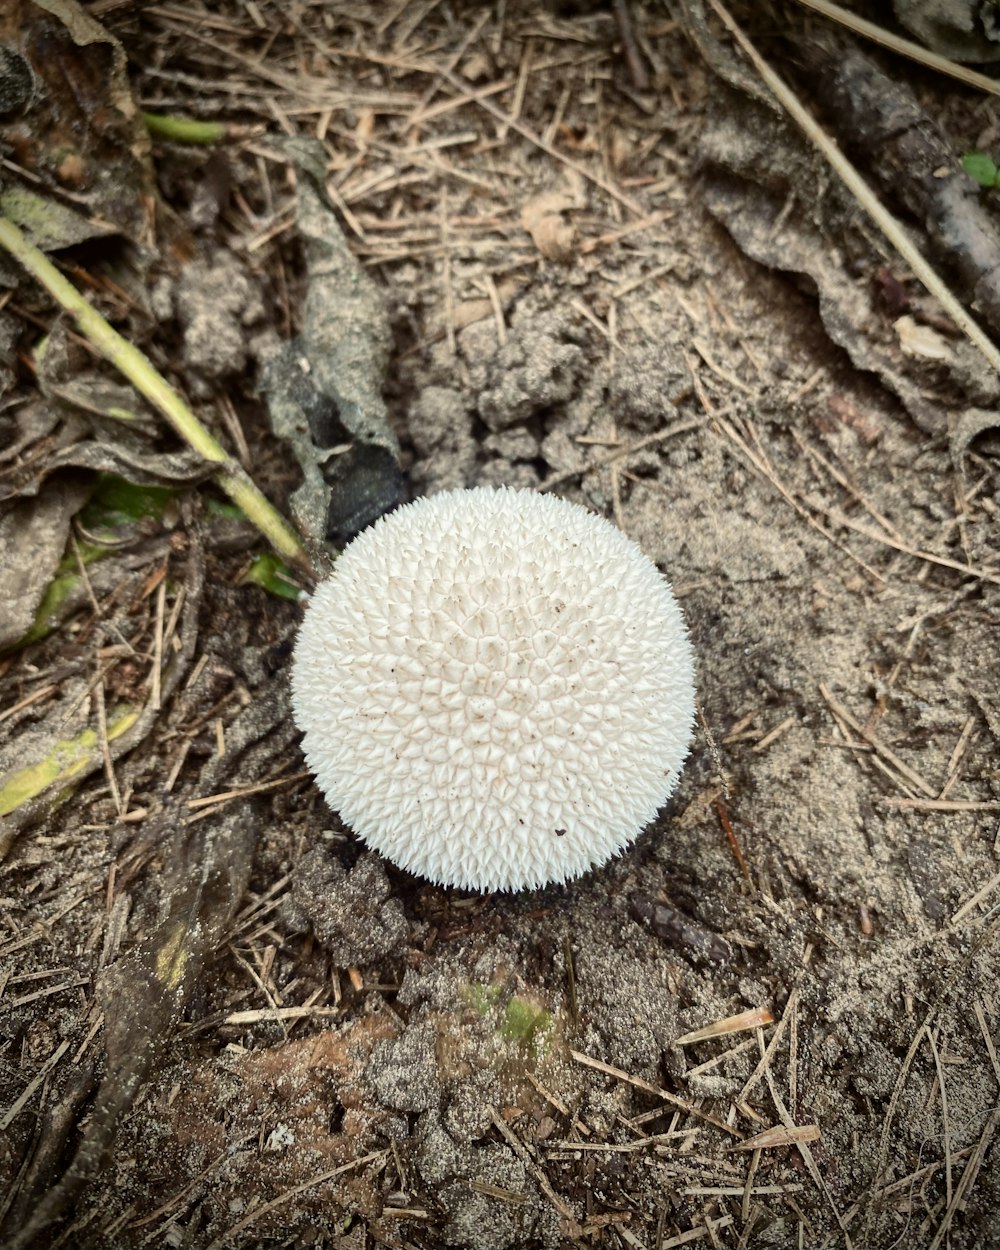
(33, 537)
(542, 217)
(922, 341)
(47, 223)
(325, 389)
(81, 132)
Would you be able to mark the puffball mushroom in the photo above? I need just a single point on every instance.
(496, 688)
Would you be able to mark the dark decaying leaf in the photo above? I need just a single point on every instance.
(90, 422)
(785, 209)
(49, 224)
(143, 994)
(962, 30)
(79, 130)
(757, 200)
(685, 935)
(324, 391)
(881, 123)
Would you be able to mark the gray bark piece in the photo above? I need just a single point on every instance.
(342, 358)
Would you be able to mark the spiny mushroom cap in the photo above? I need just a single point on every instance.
(496, 688)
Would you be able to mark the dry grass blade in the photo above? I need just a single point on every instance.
(208, 800)
(910, 549)
(228, 1238)
(973, 902)
(805, 1152)
(964, 1187)
(131, 362)
(772, 1046)
(607, 187)
(780, 1135)
(890, 1116)
(680, 427)
(752, 1019)
(905, 47)
(278, 1014)
(522, 1152)
(945, 1118)
(15, 1109)
(987, 1038)
(760, 462)
(944, 805)
(708, 1229)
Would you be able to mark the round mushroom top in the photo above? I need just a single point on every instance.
(496, 688)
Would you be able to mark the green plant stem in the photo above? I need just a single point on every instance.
(183, 129)
(131, 362)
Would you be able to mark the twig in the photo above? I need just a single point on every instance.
(630, 48)
(131, 362)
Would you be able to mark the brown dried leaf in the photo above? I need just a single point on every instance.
(542, 217)
(921, 341)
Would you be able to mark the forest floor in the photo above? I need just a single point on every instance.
(585, 295)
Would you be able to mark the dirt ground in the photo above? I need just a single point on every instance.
(584, 298)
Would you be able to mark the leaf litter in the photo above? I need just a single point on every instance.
(199, 1047)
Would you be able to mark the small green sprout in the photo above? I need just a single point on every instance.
(981, 167)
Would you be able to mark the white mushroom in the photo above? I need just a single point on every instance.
(495, 687)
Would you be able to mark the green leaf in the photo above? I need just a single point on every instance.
(274, 576)
(116, 503)
(981, 167)
(49, 613)
(224, 510)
